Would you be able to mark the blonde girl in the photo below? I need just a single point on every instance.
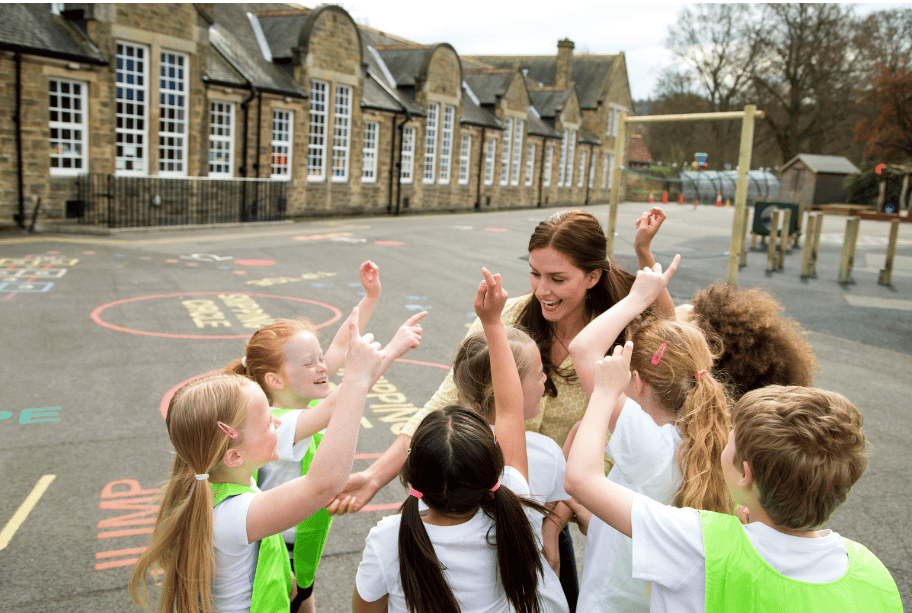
(214, 527)
(474, 549)
(668, 432)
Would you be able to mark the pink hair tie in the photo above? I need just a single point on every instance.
(231, 432)
(702, 372)
(496, 485)
(657, 356)
(415, 493)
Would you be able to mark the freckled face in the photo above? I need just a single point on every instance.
(304, 371)
(559, 285)
(533, 384)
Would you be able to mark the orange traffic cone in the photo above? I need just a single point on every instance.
(719, 199)
(681, 199)
(650, 196)
(665, 197)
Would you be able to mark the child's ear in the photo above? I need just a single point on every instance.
(636, 387)
(273, 381)
(232, 458)
(747, 476)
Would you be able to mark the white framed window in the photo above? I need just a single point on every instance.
(609, 168)
(562, 162)
(582, 168)
(490, 152)
(446, 143)
(172, 114)
(316, 147)
(517, 152)
(465, 153)
(430, 142)
(614, 116)
(131, 110)
(68, 124)
(221, 139)
(369, 163)
(571, 152)
(530, 163)
(341, 132)
(282, 131)
(549, 163)
(505, 152)
(408, 154)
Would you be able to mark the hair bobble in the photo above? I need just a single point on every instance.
(202, 477)
(697, 375)
(415, 493)
(496, 486)
(244, 362)
(657, 356)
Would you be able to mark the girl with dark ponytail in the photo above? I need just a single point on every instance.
(474, 548)
(667, 434)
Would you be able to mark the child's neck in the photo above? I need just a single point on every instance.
(436, 518)
(761, 517)
(240, 475)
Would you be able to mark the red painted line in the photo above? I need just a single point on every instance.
(496, 230)
(116, 563)
(419, 363)
(118, 533)
(96, 314)
(368, 508)
(166, 399)
(101, 555)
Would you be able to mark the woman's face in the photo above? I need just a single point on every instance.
(559, 285)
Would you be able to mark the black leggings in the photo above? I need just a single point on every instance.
(568, 577)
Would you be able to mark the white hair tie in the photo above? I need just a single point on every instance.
(244, 362)
(202, 477)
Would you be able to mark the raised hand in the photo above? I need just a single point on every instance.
(370, 279)
(647, 226)
(612, 373)
(650, 281)
(408, 336)
(364, 356)
(490, 298)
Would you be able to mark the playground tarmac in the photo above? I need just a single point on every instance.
(98, 329)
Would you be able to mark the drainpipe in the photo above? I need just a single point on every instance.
(588, 170)
(389, 203)
(408, 116)
(541, 171)
(481, 155)
(17, 119)
(245, 105)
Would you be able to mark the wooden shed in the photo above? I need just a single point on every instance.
(816, 179)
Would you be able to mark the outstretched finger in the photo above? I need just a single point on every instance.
(413, 320)
(673, 266)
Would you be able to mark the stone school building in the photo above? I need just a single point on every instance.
(161, 104)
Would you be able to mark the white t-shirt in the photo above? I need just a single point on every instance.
(644, 461)
(469, 561)
(288, 466)
(235, 558)
(668, 550)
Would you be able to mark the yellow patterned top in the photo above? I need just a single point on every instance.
(556, 415)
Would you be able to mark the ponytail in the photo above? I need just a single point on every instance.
(518, 558)
(423, 584)
(181, 546)
(703, 423)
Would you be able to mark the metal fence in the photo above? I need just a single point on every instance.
(130, 202)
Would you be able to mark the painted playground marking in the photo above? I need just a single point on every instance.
(96, 314)
(19, 517)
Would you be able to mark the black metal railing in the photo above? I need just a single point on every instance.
(130, 202)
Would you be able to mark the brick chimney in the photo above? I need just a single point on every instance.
(563, 71)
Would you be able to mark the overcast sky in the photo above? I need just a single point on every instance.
(533, 27)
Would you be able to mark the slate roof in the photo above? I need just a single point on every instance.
(475, 115)
(589, 72)
(404, 62)
(830, 164)
(489, 85)
(540, 127)
(588, 138)
(219, 70)
(282, 30)
(549, 101)
(34, 29)
(235, 39)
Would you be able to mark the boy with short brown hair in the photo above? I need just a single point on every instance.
(791, 459)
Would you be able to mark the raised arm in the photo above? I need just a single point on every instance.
(509, 426)
(370, 280)
(280, 508)
(594, 341)
(647, 227)
(585, 478)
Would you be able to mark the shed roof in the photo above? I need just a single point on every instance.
(639, 152)
(829, 164)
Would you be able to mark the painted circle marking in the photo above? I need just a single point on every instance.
(390, 243)
(254, 262)
(496, 230)
(96, 314)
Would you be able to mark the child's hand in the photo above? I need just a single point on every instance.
(647, 226)
(612, 373)
(408, 336)
(650, 282)
(363, 357)
(490, 299)
(370, 279)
